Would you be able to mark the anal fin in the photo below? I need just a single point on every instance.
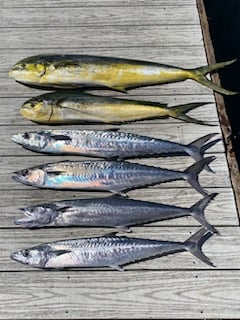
(123, 228)
(116, 267)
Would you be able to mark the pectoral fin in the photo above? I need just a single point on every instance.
(60, 137)
(56, 253)
(120, 89)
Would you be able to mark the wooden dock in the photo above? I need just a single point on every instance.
(170, 287)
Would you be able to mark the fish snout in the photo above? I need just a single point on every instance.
(18, 138)
(18, 256)
(37, 217)
(21, 176)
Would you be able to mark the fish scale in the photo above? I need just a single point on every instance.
(113, 211)
(114, 176)
(109, 144)
(109, 250)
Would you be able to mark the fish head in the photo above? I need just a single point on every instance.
(38, 216)
(37, 109)
(35, 141)
(35, 257)
(35, 176)
(29, 70)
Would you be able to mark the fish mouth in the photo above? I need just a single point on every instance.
(17, 256)
(20, 177)
(18, 138)
(14, 256)
(28, 111)
(11, 73)
(28, 221)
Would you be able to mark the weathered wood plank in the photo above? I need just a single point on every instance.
(220, 179)
(93, 3)
(189, 57)
(126, 295)
(110, 36)
(98, 16)
(220, 212)
(179, 133)
(223, 249)
(10, 112)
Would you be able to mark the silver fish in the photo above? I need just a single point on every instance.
(113, 211)
(107, 251)
(113, 176)
(108, 144)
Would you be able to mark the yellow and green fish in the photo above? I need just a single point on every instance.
(73, 107)
(74, 71)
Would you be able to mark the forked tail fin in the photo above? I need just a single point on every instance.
(197, 148)
(197, 211)
(191, 174)
(199, 75)
(179, 112)
(194, 245)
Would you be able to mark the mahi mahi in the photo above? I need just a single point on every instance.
(113, 176)
(75, 107)
(114, 211)
(107, 251)
(74, 71)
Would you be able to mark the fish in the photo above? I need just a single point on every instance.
(107, 251)
(76, 71)
(113, 176)
(77, 107)
(114, 211)
(109, 144)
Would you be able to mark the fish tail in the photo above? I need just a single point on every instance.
(197, 148)
(199, 75)
(179, 112)
(191, 174)
(197, 211)
(194, 245)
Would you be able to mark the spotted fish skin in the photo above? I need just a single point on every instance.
(114, 211)
(108, 144)
(113, 176)
(110, 250)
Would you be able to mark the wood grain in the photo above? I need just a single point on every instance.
(94, 3)
(114, 295)
(94, 36)
(99, 16)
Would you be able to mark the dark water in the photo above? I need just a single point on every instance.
(224, 23)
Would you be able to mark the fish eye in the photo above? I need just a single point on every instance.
(18, 67)
(25, 253)
(25, 172)
(26, 135)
